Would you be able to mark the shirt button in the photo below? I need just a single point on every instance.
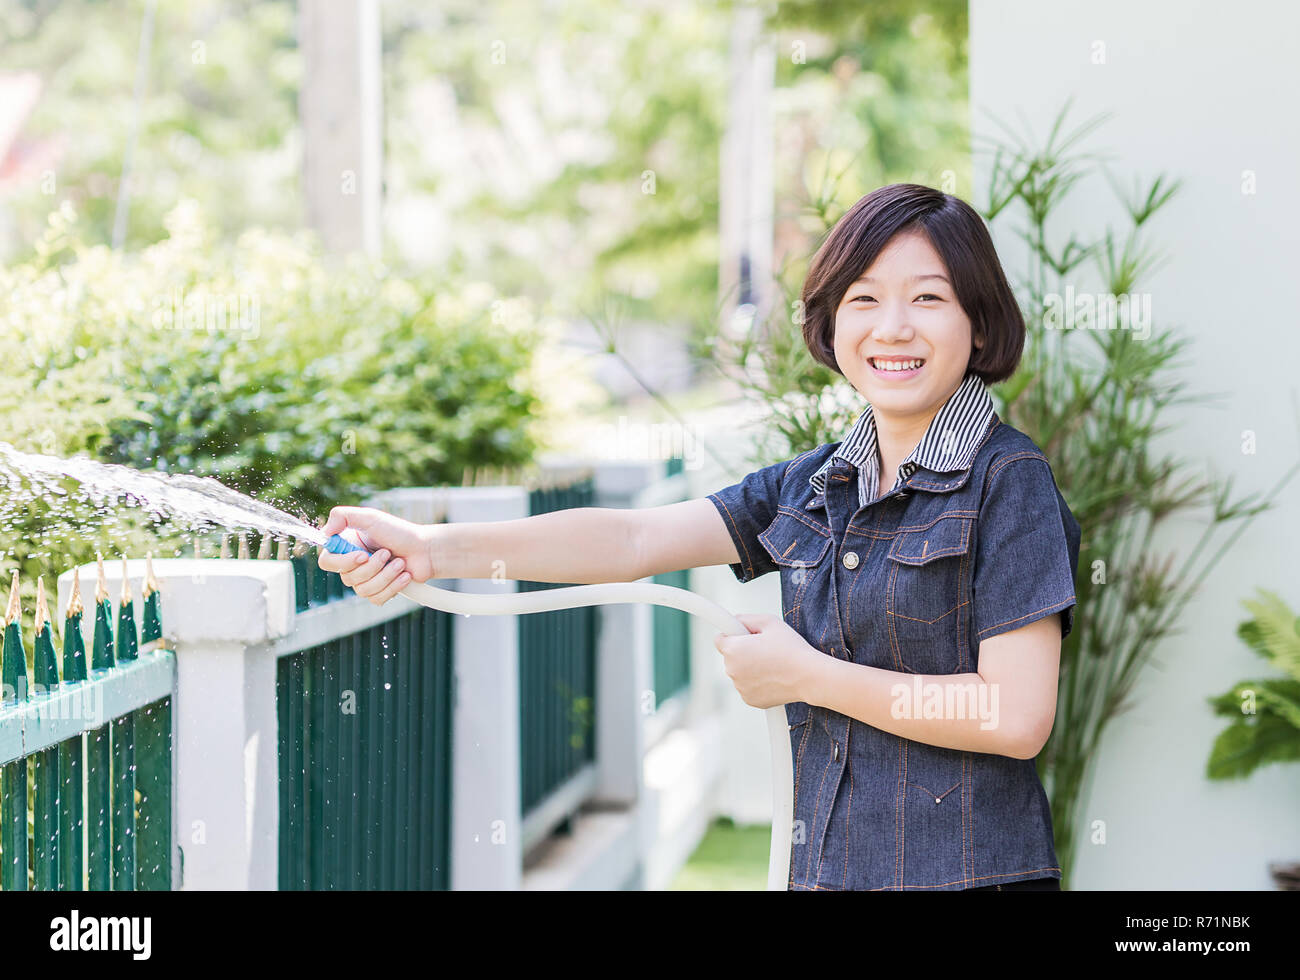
(837, 752)
(850, 559)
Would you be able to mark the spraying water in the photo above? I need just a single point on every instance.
(196, 502)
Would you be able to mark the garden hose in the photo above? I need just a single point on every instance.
(546, 600)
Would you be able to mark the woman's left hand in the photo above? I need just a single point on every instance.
(772, 665)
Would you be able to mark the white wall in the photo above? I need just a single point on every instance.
(1202, 91)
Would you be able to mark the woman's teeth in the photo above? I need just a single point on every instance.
(897, 365)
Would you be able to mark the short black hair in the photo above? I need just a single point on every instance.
(962, 240)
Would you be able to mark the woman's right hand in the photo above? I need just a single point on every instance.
(400, 552)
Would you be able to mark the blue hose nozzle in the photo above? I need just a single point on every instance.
(339, 545)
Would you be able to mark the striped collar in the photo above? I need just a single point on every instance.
(949, 443)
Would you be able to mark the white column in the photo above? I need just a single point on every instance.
(225, 788)
(341, 109)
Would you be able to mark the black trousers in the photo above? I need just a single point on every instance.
(1029, 885)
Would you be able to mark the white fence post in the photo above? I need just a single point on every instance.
(224, 754)
(487, 809)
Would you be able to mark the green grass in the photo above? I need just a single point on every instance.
(730, 858)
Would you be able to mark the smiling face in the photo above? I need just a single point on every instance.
(901, 337)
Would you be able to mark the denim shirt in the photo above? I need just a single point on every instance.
(911, 582)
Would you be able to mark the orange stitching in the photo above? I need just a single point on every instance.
(797, 601)
(789, 511)
(816, 810)
(1054, 607)
(862, 532)
(946, 515)
(930, 792)
(966, 868)
(798, 763)
(889, 619)
(749, 566)
(900, 846)
(974, 837)
(963, 644)
(927, 622)
(1000, 464)
(822, 639)
(848, 814)
(957, 549)
(963, 881)
(830, 815)
(786, 472)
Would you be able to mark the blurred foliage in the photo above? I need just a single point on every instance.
(218, 120)
(566, 152)
(335, 381)
(868, 94)
(580, 155)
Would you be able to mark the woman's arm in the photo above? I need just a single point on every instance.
(1007, 708)
(585, 545)
(582, 545)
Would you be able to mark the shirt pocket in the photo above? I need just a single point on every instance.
(927, 596)
(799, 546)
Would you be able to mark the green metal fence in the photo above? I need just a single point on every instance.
(672, 642)
(365, 753)
(313, 586)
(672, 627)
(97, 812)
(557, 675)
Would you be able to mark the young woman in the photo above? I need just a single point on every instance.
(927, 565)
